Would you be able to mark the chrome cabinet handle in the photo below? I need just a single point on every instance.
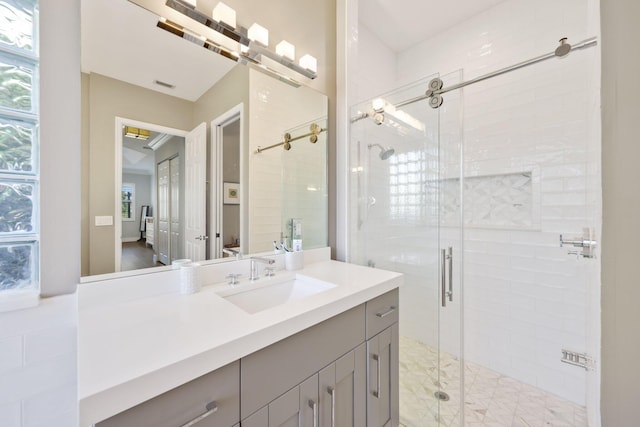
(376, 393)
(211, 408)
(314, 407)
(386, 313)
(332, 392)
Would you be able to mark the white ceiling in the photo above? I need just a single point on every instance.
(402, 23)
(137, 158)
(121, 40)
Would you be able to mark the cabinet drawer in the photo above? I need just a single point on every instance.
(382, 312)
(187, 402)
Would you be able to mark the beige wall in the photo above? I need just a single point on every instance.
(106, 100)
(621, 214)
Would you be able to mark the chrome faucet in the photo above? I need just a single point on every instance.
(254, 266)
(233, 252)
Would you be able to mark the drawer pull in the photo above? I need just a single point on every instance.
(211, 408)
(332, 392)
(314, 407)
(386, 313)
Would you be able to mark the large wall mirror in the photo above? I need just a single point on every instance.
(173, 136)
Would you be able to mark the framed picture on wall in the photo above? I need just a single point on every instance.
(231, 193)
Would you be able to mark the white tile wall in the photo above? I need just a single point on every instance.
(525, 297)
(274, 109)
(38, 375)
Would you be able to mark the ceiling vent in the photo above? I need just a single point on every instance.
(164, 84)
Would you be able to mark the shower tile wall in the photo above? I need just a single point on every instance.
(275, 108)
(525, 297)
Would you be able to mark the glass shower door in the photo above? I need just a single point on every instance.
(399, 171)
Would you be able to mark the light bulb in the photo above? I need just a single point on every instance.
(286, 50)
(259, 34)
(309, 62)
(224, 13)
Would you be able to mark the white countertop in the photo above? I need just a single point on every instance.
(133, 349)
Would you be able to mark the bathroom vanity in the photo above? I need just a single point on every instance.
(152, 357)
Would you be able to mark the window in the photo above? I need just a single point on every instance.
(407, 177)
(128, 202)
(19, 170)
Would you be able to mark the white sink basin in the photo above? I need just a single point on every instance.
(270, 292)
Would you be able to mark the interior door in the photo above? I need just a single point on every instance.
(226, 219)
(163, 212)
(195, 193)
(175, 251)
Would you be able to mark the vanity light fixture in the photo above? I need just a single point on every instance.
(137, 133)
(309, 62)
(259, 34)
(286, 50)
(224, 13)
(249, 47)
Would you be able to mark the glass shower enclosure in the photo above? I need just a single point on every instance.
(405, 184)
(496, 317)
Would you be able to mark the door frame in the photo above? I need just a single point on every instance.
(215, 191)
(120, 122)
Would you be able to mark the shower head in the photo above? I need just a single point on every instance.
(385, 153)
(564, 48)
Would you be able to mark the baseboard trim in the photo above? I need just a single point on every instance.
(130, 239)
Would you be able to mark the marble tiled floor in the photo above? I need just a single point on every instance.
(491, 399)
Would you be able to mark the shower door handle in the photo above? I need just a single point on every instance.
(450, 259)
(446, 259)
(443, 277)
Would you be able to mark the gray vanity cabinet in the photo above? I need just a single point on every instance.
(382, 390)
(296, 408)
(273, 371)
(309, 402)
(342, 372)
(335, 396)
(213, 400)
(382, 361)
(343, 390)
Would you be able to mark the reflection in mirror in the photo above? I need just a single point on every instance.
(242, 199)
(153, 170)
